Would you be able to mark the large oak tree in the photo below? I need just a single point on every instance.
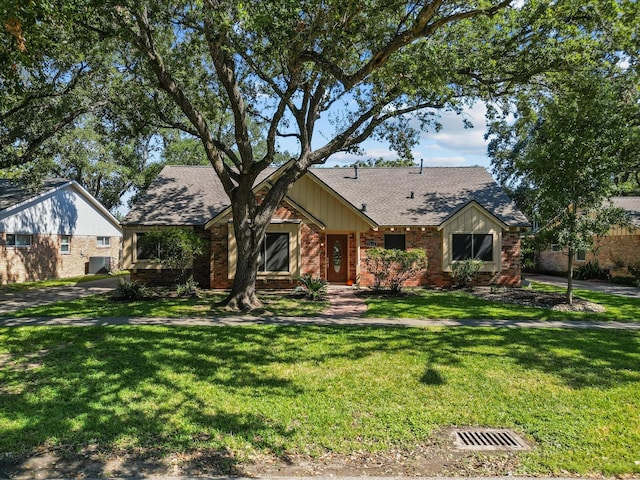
(324, 74)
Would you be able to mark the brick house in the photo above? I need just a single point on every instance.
(329, 220)
(58, 231)
(621, 245)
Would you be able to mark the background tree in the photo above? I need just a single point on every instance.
(382, 162)
(561, 155)
(323, 75)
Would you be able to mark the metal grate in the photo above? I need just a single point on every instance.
(488, 439)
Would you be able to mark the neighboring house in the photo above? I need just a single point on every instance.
(620, 246)
(58, 231)
(329, 220)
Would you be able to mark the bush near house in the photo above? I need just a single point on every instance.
(391, 268)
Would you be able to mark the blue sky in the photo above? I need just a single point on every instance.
(453, 146)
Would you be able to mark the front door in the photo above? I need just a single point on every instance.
(338, 258)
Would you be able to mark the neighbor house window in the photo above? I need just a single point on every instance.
(581, 255)
(18, 240)
(478, 246)
(555, 247)
(65, 244)
(274, 256)
(103, 241)
(395, 241)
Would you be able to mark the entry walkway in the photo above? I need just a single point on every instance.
(343, 302)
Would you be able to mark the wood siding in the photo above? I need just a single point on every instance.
(336, 214)
(471, 219)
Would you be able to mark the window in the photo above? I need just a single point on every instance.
(103, 241)
(555, 247)
(395, 241)
(18, 240)
(143, 252)
(473, 245)
(581, 255)
(65, 244)
(274, 255)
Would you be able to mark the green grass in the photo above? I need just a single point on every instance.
(275, 389)
(462, 305)
(55, 282)
(96, 306)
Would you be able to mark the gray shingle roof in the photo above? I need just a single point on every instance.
(438, 193)
(180, 195)
(630, 205)
(193, 195)
(12, 193)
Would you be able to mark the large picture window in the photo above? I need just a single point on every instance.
(274, 255)
(395, 241)
(145, 250)
(18, 240)
(478, 246)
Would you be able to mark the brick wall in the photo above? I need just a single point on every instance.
(608, 252)
(312, 259)
(43, 259)
(430, 240)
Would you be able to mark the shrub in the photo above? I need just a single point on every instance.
(591, 270)
(173, 248)
(313, 288)
(128, 290)
(187, 289)
(465, 271)
(391, 268)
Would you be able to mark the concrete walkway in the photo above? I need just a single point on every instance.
(595, 286)
(315, 321)
(343, 302)
(12, 301)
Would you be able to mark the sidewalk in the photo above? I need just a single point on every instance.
(236, 321)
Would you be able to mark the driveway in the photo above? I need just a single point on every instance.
(604, 287)
(12, 301)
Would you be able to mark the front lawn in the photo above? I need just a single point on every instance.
(96, 306)
(278, 390)
(419, 303)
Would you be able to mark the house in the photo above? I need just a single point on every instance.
(620, 246)
(60, 230)
(329, 220)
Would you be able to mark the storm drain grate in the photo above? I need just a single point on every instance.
(489, 439)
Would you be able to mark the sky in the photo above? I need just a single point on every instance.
(452, 146)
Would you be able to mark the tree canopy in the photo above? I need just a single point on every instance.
(562, 154)
(249, 79)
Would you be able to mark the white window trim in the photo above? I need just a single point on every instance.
(65, 244)
(103, 245)
(293, 229)
(15, 240)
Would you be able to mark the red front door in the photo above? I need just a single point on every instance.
(337, 258)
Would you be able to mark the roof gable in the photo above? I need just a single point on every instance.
(59, 207)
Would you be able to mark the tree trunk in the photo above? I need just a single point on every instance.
(249, 232)
(570, 277)
(243, 292)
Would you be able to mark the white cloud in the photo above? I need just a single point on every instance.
(446, 162)
(455, 137)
